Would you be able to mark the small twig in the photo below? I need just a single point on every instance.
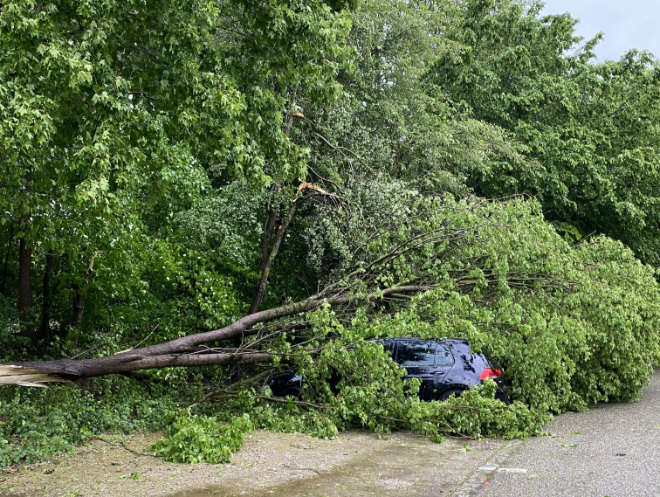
(121, 444)
(302, 469)
(147, 337)
(91, 349)
(296, 402)
(228, 388)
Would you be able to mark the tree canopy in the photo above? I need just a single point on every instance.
(593, 128)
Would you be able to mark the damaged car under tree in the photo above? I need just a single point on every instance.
(445, 367)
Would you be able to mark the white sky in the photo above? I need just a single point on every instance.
(626, 24)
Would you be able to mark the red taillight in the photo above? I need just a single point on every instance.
(490, 373)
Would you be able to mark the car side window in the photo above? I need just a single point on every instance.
(415, 354)
(443, 356)
(388, 345)
(419, 354)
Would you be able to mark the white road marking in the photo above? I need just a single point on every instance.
(511, 470)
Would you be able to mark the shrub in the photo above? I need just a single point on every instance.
(193, 438)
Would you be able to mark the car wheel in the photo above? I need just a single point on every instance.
(448, 393)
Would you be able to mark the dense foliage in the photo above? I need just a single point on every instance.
(194, 439)
(593, 128)
(166, 169)
(36, 423)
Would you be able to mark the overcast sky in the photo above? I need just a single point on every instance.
(626, 24)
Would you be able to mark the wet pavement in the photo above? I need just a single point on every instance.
(356, 464)
(404, 465)
(610, 451)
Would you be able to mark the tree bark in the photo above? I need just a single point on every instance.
(5, 265)
(24, 289)
(183, 351)
(78, 306)
(44, 327)
(269, 258)
(80, 295)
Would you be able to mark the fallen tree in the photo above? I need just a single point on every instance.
(362, 285)
(185, 351)
(571, 325)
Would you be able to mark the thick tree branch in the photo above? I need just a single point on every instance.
(182, 351)
(267, 263)
(268, 257)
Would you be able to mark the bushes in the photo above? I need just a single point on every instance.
(194, 439)
(38, 423)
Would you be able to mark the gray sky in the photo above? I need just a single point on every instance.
(626, 24)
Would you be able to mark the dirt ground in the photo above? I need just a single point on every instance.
(355, 464)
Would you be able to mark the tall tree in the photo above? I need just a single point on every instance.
(117, 116)
(592, 127)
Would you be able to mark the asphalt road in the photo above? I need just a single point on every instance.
(612, 450)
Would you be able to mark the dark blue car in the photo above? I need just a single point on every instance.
(445, 366)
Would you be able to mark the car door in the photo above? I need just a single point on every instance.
(425, 359)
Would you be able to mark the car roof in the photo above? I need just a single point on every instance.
(448, 341)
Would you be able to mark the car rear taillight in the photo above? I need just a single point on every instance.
(490, 373)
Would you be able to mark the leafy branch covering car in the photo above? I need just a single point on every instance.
(445, 367)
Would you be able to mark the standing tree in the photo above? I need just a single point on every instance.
(592, 127)
(116, 117)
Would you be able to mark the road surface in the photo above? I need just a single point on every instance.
(612, 450)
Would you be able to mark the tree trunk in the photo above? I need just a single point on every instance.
(192, 350)
(78, 306)
(185, 351)
(269, 258)
(5, 266)
(44, 327)
(24, 290)
(80, 295)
